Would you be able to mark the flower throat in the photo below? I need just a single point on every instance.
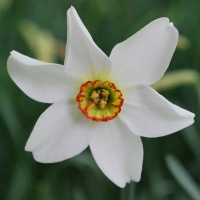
(99, 101)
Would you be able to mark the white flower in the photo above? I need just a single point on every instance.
(104, 102)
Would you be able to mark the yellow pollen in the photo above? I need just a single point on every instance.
(100, 97)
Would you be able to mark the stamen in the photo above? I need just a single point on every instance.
(100, 97)
(99, 101)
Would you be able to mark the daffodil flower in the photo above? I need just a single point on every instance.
(99, 101)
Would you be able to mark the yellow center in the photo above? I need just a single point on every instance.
(99, 101)
(100, 97)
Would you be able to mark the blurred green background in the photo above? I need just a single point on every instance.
(37, 28)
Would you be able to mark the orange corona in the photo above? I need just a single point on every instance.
(99, 101)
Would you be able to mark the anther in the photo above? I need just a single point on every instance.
(100, 97)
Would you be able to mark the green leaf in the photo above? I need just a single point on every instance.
(183, 177)
(192, 138)
(176, 79)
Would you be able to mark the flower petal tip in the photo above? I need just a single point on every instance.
(137, 180)
(40, 159)
(123, 183)
(189, 115)
(27, 147)
(11, 56)
(17, 56)
(168, 23)
(13, 52)
(192, 116)
(129, 181)
(171, 26)
(71, 10)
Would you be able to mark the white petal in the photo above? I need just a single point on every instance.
(149, 114)
(117, 151)
(83, 58)
(144, 57)
(60, 133)
(44, 82)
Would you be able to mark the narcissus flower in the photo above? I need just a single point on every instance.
(102, 102)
